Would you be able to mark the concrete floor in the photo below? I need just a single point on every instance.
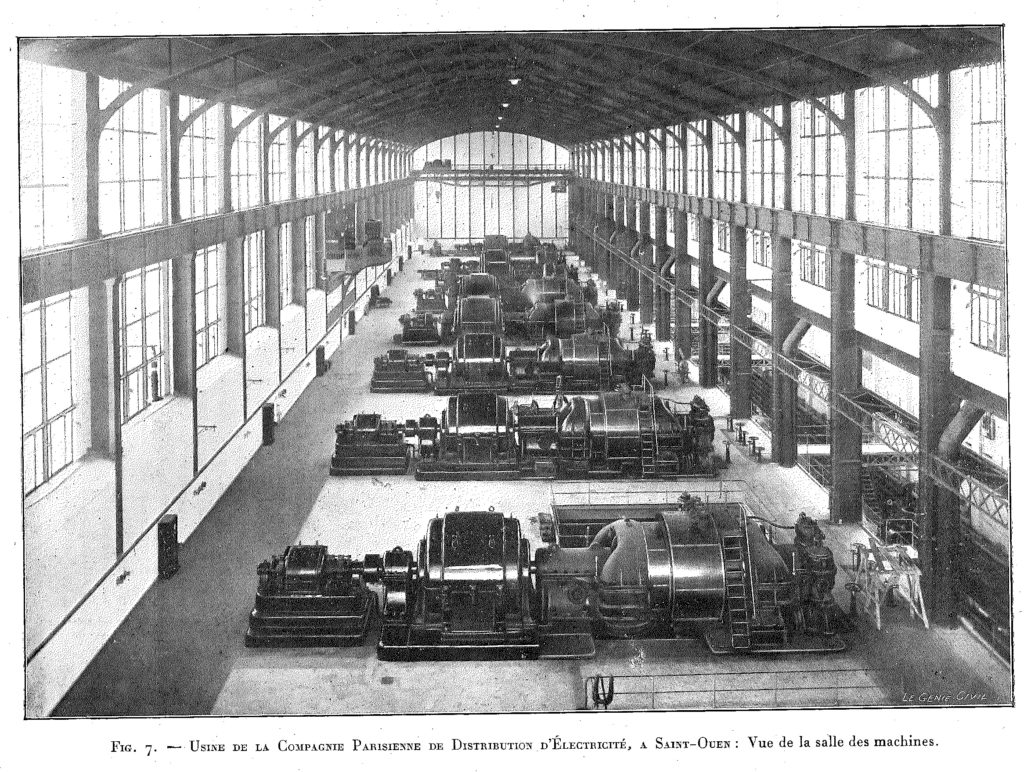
(181, 649)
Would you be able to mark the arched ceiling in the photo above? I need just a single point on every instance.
(575, 86)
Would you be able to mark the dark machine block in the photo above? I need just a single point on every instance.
(399, 372)
(432, 301)
(269, 422)
(366, 445)
(167, 546)
(352, 322)
(420, 329)
(468, 596)
(322, 363)
(307, 597)
(476, 441)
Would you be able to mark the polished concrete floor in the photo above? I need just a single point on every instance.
(181, 649)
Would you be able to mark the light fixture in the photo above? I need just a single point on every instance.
(504, 104)
(514, 81)
(501, 118)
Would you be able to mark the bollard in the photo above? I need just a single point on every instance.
(665, 372)
(154, 384)
(268, 423)
(167, 546)
(853, 588)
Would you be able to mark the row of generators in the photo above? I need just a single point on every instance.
(473, 589)
(483, 361)
(486, 436)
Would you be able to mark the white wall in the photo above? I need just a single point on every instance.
(156, 462)
(293, 336)
(58, 664)
(219, 407)
(262, 366)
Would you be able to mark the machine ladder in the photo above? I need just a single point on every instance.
(604, 354)
(737, 595)
(648, 431)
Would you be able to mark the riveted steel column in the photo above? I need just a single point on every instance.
(684, 312)
(939, 508)
(630, 279)
(739, 316)
(847, 439)
(784, 439)
(708, 351)
(739, 296)
(645, 257)
(845, 366)
(784, 444)
(662, 256)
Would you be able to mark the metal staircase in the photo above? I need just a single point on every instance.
(648, 432)
(868, 492)
(604, 362)
(737, 595)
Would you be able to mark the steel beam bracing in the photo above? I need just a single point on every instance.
(904, 445)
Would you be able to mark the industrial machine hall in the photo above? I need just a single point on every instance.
(514, 372)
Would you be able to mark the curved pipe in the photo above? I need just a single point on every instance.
(966, 418)
(715, 292)
(792, 342)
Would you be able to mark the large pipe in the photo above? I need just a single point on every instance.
(966, 418)
(792, 342)
(716, 290)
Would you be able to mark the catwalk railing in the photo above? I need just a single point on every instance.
(738, 689)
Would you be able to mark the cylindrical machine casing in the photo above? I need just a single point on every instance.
(479, 314)
(485, 413)
(473, 547)
(478, 285)
(697, 567)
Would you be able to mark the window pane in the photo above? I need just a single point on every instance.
(32, 399)
(200, 262)
(133, 345)
(32, 462)
(58, 328)
(31, 218)
(57, 229)
(153, 281)
(132, 162)
(58, 386)
(154, 203)
(110, 207)
(132, 206)
(132, 289)
(31, 339)
(153, 342)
